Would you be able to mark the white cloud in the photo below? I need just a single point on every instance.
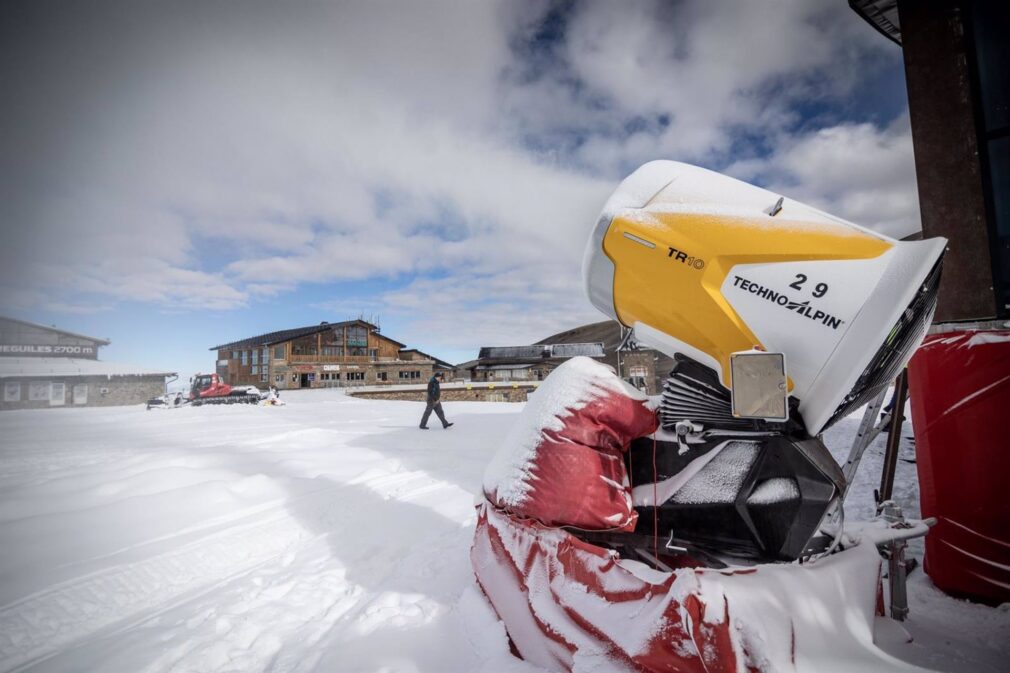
(706, 68)
(206, 156)
(856, 171)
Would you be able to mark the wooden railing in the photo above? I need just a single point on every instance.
(332, 359)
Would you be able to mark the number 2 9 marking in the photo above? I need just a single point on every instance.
(820, 289)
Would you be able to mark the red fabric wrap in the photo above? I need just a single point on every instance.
(576, 474)
(560, 597)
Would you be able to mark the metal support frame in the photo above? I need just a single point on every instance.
(868, 431)
(894, 440)
(869, 428)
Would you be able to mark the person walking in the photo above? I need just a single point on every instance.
(434, 403)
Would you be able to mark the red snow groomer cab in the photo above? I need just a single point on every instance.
(209, 389)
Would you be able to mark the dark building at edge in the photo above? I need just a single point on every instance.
(957, 72)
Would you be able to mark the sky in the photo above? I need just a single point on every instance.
(178, 175)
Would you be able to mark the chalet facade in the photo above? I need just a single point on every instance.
(350, 353)
(43, 367)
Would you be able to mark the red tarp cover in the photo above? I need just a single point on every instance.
(562, 462)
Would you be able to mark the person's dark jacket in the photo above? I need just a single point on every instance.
(434, 389)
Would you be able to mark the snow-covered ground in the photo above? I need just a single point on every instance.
(326, 535)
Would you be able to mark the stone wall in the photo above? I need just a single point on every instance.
(102, 391)
(500, 393)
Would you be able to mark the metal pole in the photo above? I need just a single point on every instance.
(896, 568)
(891, 456)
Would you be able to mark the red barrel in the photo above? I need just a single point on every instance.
(959, 383)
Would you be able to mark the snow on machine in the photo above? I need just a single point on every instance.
(208, 389)
(703, 530)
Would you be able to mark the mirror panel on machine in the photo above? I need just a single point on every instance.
(759, 387)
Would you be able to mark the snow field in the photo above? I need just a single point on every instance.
(326, 535)
(245, 539)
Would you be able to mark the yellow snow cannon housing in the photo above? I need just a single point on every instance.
(703, 266)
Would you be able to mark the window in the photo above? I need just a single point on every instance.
(373, 353)
(278, 352)
(410, 375)
(38, 391)
(57, 394)
(636, 376)
(245, 358)
(255, 369)
(234, 355)
(357, 336)
(255, 357)
(380, 376)
(12, 391)
(355, 376)
(266, 354)
(80, 393)
(264, 377)
(333, 350)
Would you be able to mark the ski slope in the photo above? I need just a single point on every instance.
(329, 534)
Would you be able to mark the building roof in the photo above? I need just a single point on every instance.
(271, 338)
(501, 367)
(607, 332)
(881, 14)
(439, 362)
(541, 351)
(50, 328)
(16, 367)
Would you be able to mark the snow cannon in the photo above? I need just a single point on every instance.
(567, 555)
(781, 319)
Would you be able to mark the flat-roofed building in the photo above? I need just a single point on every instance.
(43, 367)
(524, 363)
(605, 341)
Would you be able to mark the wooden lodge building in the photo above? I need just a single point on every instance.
(350, 353)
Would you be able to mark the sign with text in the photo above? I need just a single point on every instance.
(48, 351)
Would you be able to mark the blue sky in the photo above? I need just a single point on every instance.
(183, 175)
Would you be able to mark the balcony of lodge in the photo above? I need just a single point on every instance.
(311, 358)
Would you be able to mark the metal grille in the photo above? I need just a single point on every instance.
(897, 349)
(688, 394)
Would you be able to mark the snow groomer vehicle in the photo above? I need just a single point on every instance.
(208, 389)
(704, 530)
